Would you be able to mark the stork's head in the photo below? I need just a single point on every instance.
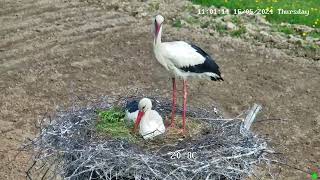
(145, 105)
(158, 20)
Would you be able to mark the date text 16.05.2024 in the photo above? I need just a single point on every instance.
(234, 11)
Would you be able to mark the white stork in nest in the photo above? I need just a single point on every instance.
(182, 60)
(149, 121)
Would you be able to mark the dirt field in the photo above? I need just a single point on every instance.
(55, 52)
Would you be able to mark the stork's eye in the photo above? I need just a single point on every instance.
(143, 107)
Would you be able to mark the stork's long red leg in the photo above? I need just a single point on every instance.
(185, 93)
(174, 101)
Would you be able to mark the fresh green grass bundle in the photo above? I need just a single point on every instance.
(111, 122)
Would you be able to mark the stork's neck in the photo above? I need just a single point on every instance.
(157, 37)
(146, 114)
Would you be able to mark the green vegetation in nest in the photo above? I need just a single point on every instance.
(111, 122)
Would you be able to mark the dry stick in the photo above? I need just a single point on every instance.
(272, 119)
(45, 173)
(47, 170)
(282, 163)
(29, 169)
(291, 166)
(149, 166)
(223, 119)
(213, 119)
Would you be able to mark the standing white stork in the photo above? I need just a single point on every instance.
(182, 60)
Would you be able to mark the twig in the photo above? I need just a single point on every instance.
(214, 119)
(291, 166)
(272, 119)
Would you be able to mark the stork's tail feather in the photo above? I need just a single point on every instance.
(216, 79)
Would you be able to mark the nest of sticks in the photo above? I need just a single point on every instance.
(68, 148)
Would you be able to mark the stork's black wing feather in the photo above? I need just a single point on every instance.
(209, 65)
(132, 106)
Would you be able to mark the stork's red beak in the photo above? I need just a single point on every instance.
(139, 117)
(157, 28)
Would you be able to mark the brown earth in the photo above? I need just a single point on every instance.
(55, 52)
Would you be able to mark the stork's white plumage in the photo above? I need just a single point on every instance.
(182, 60)
(149, 121)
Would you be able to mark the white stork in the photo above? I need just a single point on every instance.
(149, 121)
(182, 60)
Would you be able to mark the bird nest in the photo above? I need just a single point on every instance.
(68, 147)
